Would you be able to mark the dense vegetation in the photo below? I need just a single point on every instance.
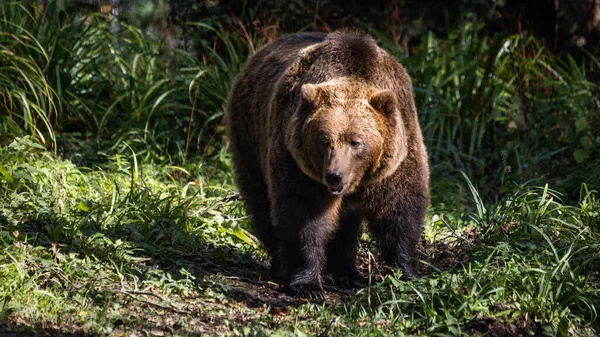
(118, 211)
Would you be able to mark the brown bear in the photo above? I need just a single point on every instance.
(324, 133)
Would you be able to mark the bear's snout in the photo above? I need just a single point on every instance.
(333, 178)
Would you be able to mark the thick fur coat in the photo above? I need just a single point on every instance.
(324, 134)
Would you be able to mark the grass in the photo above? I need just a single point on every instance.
(77, 238)
(135, 247)
(66, 79)
(119, 215)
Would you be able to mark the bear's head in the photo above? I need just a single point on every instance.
(345, 134)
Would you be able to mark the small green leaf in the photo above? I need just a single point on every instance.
(580, 155)
(580, 124)
(586, 142)
(5, 176)
(391, 279)
(239, 233)
(503, 313)
(82, 206)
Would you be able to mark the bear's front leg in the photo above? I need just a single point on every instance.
(305, 215)
(398, 234)
(341, 250)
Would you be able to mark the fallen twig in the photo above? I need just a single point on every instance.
(132, 295)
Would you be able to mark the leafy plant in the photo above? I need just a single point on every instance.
(504, 108)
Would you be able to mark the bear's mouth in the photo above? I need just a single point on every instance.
(338, 190)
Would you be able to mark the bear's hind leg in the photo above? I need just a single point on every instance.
(258, 207)
(341, 251)
(253, 188)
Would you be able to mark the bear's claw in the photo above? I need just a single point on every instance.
(348, 281)
(309, 291)
(346, 277)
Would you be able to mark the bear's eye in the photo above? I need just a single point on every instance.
(355, 143)
(324, 141)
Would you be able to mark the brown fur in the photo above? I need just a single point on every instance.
(324, 133)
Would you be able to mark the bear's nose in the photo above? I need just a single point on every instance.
(333, 178)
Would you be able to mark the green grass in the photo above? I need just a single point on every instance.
(67, 79)
(137, 247)
(119, 215)
(76, 240)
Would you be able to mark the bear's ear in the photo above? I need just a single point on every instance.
(312, 95)
(384, 101)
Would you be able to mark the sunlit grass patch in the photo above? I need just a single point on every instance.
(95, 249)
(76, 240)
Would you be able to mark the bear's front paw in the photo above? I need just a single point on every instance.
(309, 291)
(348, 279)
(408, 273)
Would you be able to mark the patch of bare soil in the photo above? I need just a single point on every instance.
(500, 327)
(18, 327)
